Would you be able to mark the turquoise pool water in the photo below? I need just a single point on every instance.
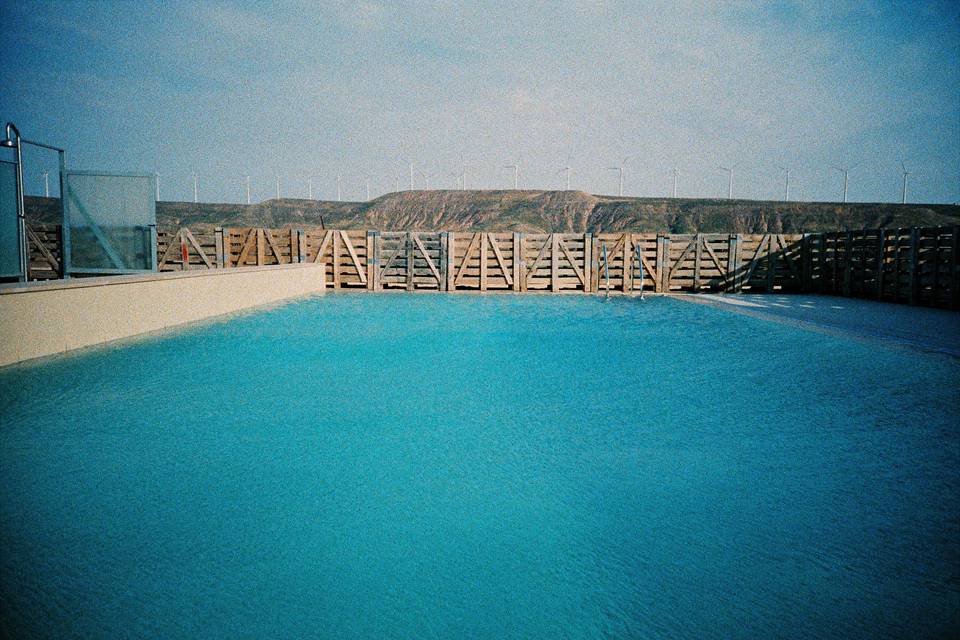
(416, 466)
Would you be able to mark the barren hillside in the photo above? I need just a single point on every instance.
(532, 211)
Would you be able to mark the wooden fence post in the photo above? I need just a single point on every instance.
(914, 267)
(834, 263)
(518, 261)
(627, 262)
(858, 254)
(858, 273)
(228, 257)
(373, 261)
(743, 280)
(955, 267)
(935, 284)
(595, 256)
(698, 256)
(184, 251)
(587, 262)
(821, 263)
(484, 241)
(335, 257)
(554, 264)
(847, 262)
(771, 263)
(805, 263)
(444, 260)
(451, 261)
(862, 280)
(218, 244)
(658, 265)
(665, 270)
(881, 249)
(733, 242)
(261, 250)
(411, 261)
(897, 287)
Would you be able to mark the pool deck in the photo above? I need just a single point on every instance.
(43, 319)
(895, 325)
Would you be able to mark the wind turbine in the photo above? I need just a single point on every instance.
(845, 171)
(157, 178)
(338, 187)
(463, 173)
(903, 194)
(278, 186)
(46, 183)
(676, 176)
(786, 188)
(396, 177)
(729, 170)
(457, 177)
(426, 179)
(516, 174)
(621, 169)
(367, 182)
(411, 175)
(248, 189)
(566, 170)
(195, 190)
(310, 188)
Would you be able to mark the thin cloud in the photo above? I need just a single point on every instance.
(362, 87)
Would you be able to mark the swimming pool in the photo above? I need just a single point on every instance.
(400, 466)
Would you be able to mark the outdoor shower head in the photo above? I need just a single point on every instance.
(8, 141)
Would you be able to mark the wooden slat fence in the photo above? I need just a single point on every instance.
(915, 266)
(46, 251)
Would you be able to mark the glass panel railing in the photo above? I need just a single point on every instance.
(111, 222)
(9, 226)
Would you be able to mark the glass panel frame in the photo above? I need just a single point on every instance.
(11, 237)
(109, 223)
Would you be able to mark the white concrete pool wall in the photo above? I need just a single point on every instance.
(43, 319)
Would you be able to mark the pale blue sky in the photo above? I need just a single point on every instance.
(362, 88)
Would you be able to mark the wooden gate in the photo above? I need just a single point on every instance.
(182, 250)
(555, 262)
(699, 262)
(343, 254)
(408, 260)
(483, 261)
(626, 262)
(768, 262)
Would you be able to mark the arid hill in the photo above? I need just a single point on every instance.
(541, 211)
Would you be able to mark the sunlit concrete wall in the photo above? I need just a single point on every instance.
(40, 320)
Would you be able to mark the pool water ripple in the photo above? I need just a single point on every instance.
(390, 466)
